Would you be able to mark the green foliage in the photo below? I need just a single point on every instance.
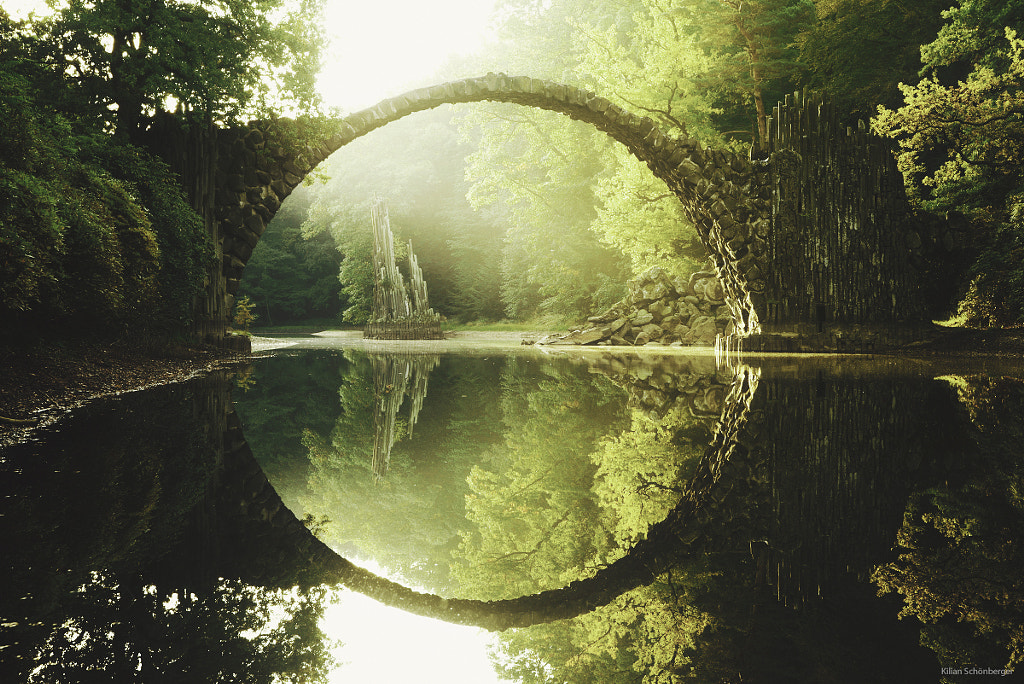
(640, 217)
(427, 474)
(425, 193)
(576, 481)
(747, 48)
(293, 278)
(31, 240)
(959, 150)
(539, 169)
(972, 35)
(533, 514)
(184, 248)
(349, 228)
(94, 234)
(234, 632)
(960, 546)
(244, 316)
(219, 60)
(833, 50)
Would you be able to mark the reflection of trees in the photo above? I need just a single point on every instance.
(637, 473)
(960, 567)
(285, 396)
(809, 483)
(534, 519)
(108, 525)
(776, 507)
(685, 526)
(119, 629)
(409, 521)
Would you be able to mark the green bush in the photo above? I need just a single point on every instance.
(31, 240)
(95, 235)
(184, 248)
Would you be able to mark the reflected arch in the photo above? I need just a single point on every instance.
(263, 543)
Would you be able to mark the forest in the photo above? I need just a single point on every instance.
(544, 219)
(515, 214)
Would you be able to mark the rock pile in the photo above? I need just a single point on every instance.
(659, 310)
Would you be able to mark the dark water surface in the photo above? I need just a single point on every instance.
(746, 520)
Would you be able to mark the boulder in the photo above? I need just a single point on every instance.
(659, 309)
(641, 318)
(702, 331)
(652, 330)
(614, 327)
(669, 323)
(687, 310)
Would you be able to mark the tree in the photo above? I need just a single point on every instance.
(123, 629)
(124, 60)
(425, 188)
(959, 146)
(960, 546)
(374, 518)
(835, 50)
(244, 316)
(748, 45)
(93, 232)
(540, 168)
(290, 277)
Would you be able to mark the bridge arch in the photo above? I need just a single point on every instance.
(257, 167)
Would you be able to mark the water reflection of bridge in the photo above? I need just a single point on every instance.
(813, 503)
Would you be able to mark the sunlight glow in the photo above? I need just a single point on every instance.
(20, 9)
(383, 645)
(377, 49)
(381, 49)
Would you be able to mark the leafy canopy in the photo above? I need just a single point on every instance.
(219, 59)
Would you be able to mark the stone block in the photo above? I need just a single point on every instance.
(255, 224)
(280, 189)
(589, 336)
(255, 195)
(641, 318)
(652, 330)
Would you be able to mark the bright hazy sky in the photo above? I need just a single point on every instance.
(378, 47)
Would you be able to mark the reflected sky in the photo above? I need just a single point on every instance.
(385, 645)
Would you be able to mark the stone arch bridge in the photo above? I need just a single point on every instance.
(812, 230)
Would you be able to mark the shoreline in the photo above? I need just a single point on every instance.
(41, 382)
(37, 384)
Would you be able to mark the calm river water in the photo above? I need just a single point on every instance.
(752, 519)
